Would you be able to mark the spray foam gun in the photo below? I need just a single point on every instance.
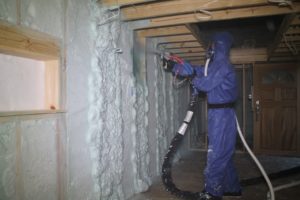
(169, 60)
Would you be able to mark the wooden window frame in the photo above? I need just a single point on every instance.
(27, 43)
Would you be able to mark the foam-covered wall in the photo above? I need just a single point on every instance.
(30, 145)
(114, 151)
(166, 107)
(121, 112)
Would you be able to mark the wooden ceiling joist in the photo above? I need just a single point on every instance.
(165, 31)
(179, 38)
(124, 2)
(167, 8)
(187, 50)
(227, 14)
(240, 56)
(185, 55)
(177, 45)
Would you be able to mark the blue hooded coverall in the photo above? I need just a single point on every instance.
(220, 87)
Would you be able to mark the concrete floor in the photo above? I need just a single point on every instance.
(188, 175)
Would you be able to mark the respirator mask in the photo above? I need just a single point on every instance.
(210, 53)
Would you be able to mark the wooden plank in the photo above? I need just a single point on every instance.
(167, 8)
(179, 38)
(124, 2)
(25, 42)
(52, 83)
(165, 31)
(177, 45)
(257, 11)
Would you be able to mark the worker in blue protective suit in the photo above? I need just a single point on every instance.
(220, 86)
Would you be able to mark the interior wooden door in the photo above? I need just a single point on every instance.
(275, 109)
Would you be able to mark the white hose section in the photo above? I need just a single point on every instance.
(271, 189)
(206, 66)
(281, 187)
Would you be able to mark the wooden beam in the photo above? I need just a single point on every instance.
(123, 2)
(167, 8)
(179, 38)
(248, 55)
(238, 56)
(196, 32)
(187, 50)
(24, 42)
(282, 29)
(177, 45)
(165, 31)
(257, 11)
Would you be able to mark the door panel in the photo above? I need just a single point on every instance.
(275, 118)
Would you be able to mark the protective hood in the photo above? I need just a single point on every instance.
(222, 42)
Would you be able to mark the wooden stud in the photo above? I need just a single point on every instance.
(52, 83)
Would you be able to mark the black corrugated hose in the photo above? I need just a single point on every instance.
(168, 160)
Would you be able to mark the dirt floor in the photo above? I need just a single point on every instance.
(188, 175)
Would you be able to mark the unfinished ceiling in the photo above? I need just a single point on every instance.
(264, 30)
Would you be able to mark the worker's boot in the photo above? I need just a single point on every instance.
(206, 196)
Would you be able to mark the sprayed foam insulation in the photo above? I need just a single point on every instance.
(28, 167)
(8, 160)
(38, 155)
(8, 11)
(167, 104)
(43, 15)
(29, 170)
